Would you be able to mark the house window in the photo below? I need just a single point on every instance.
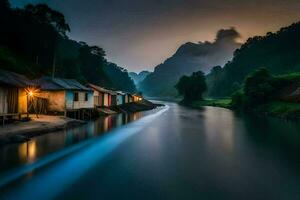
(76, 98)
(86, 96)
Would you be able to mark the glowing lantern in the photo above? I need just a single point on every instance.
(30, 94)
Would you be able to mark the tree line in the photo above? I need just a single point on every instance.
(277, 52)
(251, 77)
(34, 41)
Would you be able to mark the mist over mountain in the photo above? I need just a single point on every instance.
(138, 77)
(189, 58)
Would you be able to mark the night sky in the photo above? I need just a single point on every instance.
(139, 34)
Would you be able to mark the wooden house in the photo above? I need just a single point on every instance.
(14, 94)
(65, 95)
(103, 97)
(137, 97)
(121, 98)
(128, 98)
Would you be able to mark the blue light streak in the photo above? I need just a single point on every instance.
(48, 183)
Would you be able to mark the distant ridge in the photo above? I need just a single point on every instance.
(190, 57)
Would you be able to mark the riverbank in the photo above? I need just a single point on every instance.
(23, 131)
(278, 109)
(223, 103)
(138, 106)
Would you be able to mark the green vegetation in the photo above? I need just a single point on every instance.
(190, 57)
(224, 103)
(260, 88)
(271, 95)
(35, 38)
(280, 109)
(262, 93)
(277, 52)
(192, 87)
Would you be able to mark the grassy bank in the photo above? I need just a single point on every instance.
(224, 103)
(280, 109)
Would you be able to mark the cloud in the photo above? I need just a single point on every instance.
(227, 35)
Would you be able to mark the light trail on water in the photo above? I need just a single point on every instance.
(46, 184)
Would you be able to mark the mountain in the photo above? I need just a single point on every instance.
(278, 52)
(189, 58)
(138, 77)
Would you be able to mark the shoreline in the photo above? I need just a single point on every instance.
(265, 110)
(19, 132)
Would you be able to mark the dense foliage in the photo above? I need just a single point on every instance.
(260, 87)
(192, 87)
(278, 52)
(34, 42)
(119, 77)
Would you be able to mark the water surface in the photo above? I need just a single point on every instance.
(171, 153)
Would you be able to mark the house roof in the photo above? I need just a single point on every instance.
(14, 79)
(48, 83)
(121, 93)
(101, 89)
(137, 95)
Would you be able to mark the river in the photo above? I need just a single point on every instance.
(172, 152)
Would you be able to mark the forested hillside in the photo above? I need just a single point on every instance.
(138, 77)
(278, 52)
(189, 58)
(35, 42)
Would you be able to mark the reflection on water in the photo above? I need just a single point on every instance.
(216, 120)
(28, 152)
(181, 153)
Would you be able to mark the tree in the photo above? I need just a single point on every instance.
(44, 14)
(192, 87)
(119, 77)
(258, 87)
(91, 61)
(33, 38)
(278, 52)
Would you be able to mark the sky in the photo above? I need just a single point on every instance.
(140, 34)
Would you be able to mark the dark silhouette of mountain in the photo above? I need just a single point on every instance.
(138, 77)
(277, 52)
(189, 58)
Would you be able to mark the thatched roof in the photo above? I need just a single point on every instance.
(48, 83)
(14, 79)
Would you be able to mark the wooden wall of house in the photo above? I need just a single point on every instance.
(22, 101)
(130, 99)
(113, 100)
(136, 98)
(106, 100)
(81, 103)
(98, 98)
(119, 99)
(3, 100)
(56, 100)
(13, 100)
